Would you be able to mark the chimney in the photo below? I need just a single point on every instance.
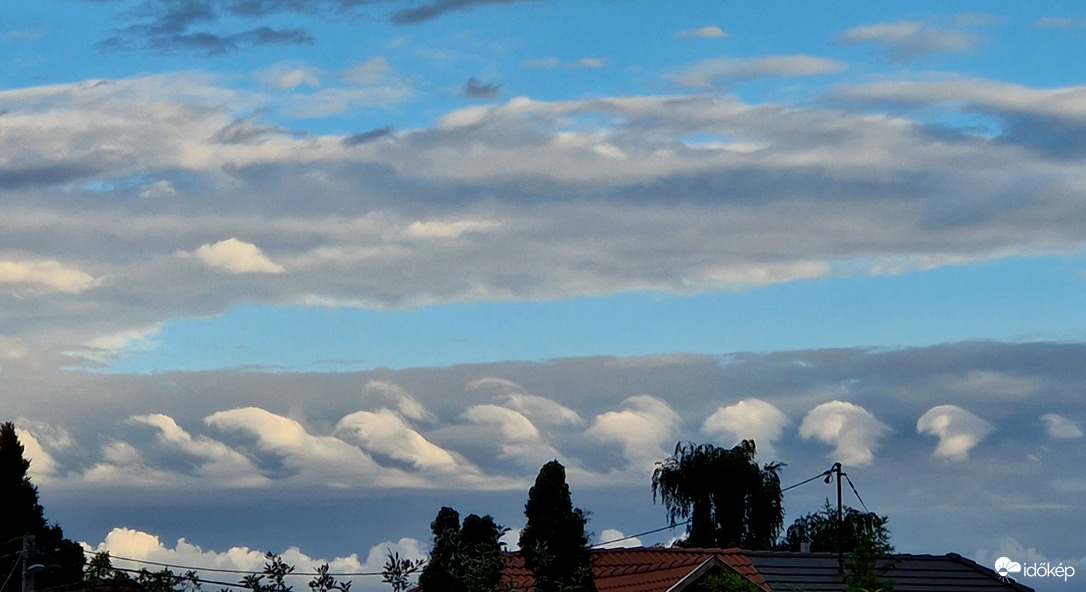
(805, 546)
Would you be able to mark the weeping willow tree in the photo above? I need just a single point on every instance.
(728, 498)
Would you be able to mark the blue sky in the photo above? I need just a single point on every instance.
(999, 300)
(305, 257)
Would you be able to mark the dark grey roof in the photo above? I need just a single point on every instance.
(817, 572)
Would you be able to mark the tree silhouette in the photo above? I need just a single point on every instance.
(553, 543)
(18, 496)
(464, 559)
(821, 529)
(23, 515)
(863, 536)
(728, 499)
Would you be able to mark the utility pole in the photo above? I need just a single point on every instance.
(836, 469)
(28, 556)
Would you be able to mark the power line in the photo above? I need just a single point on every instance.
(371, 573)
(822, 474)
(633, 536)
(200, 580)
(184, 567)
(233, 571)
(857, 494)
(12, 572)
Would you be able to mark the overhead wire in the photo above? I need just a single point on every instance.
(857, 493)
(640, 534)
(370, 573)
(818, 476)
(12, 572)
(233, 571)
(200, 580)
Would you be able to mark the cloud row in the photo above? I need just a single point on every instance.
(191, 169)
(386, 447)
(950, 432)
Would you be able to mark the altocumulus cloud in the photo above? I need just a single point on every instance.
(214, 460)
(518, 438)
(853, 430)
(705, 73)
(707, 32)
(235, 256)
(905, 40)
(958, 430)
(1060, 428)
(44, 277)
(642, 427)
(748, 419)
(369, 251)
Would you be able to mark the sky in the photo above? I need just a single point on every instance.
(290, 275)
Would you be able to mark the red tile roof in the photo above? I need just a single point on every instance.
(645, 569)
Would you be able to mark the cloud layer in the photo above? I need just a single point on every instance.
(474, 436)
(736, 194)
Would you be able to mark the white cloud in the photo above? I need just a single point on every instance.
(448, 229)
(141, 339)
(748, 419)
(644, 426)
(42, 464)
(289, 76)
(853, 430)
(519, 440)
(708, 32)
(511, 538)
(1061, 22)
(588, 63)
(237, 257)
(907, 39)
(552, 62)
(958, 430)
(1060, 428)
(143, 546)
(609, 539)
(389, 393)
(704, 73)
(222, 464)
(158, 190)
(538, 409)
(324, 459)
(541, 409)
(475, 164)
(368, 72)
(44, 277)
(385, 432)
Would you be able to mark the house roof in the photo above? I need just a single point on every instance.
(641, 569)
(656, 569)
(651, 569)
(817, 572)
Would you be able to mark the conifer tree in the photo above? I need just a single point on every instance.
(553, 543)
(18, 496)
(23, 515)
